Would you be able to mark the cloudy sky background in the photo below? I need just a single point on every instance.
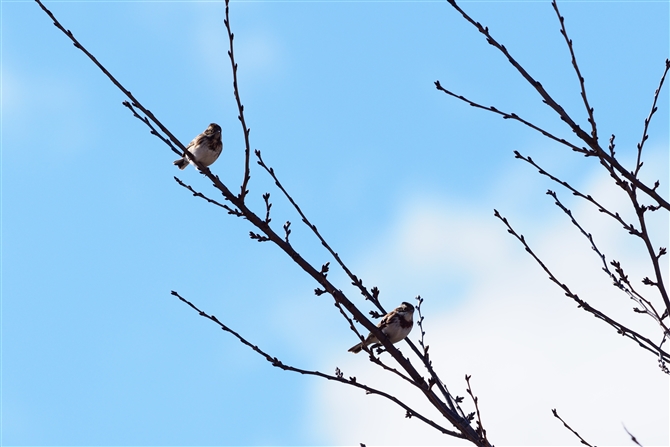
(400, 179)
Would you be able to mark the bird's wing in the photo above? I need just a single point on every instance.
(193, 142)
(386, 320)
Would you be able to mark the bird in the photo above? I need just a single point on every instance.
(206, 147)
(396, 325)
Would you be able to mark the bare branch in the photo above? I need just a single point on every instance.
(645, 136)
(628, 227)
(230, 210)
(632, 438)
(555, 413)
(514, 116)
(568, 41)
(614, 168)
(354, 279)
(126, 92)
(287, 230)
(621, 282)
(420, 324)
(620, 328)
(546, 98)
(428, 364)
(268, 206)
(338, 377)
(640, 210)
(146, 121)
(480, 427)
(240, 107)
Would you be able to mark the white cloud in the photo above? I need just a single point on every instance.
(527, 346)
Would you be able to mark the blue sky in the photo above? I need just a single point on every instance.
(400, 179)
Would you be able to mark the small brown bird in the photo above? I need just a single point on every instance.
(396, 324)
(206, 147)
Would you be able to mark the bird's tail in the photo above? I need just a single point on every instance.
(356, 349)
(181, 163)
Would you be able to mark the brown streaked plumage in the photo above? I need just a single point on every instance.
(206, 147)
(396, 324)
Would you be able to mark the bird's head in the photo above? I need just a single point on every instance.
(406, 309)
(213, 129)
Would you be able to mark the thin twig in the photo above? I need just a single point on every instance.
(475, 399)
(230, 210)
(570, 428)
(428, 364)
(240, 107)
(632, 438)
(420, 324)
(568, 41)
(146, 121)
(647, 120)
(268, 206)
(628, 227)
(514, 116)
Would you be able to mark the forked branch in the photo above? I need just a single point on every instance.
(613, 166)
(568, 41)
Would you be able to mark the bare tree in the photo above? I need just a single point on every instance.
(421, 375)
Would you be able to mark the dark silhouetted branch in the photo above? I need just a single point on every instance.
(647, 120)
(480, 427)
(213, 202)
(134, 101)
(607, 160)
(628, 227)
(514, 116)
(565, 424)
(240, 107)
(632, 438)
(568, 41)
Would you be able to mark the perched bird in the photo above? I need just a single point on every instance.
(206, 147)
(396, 325)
